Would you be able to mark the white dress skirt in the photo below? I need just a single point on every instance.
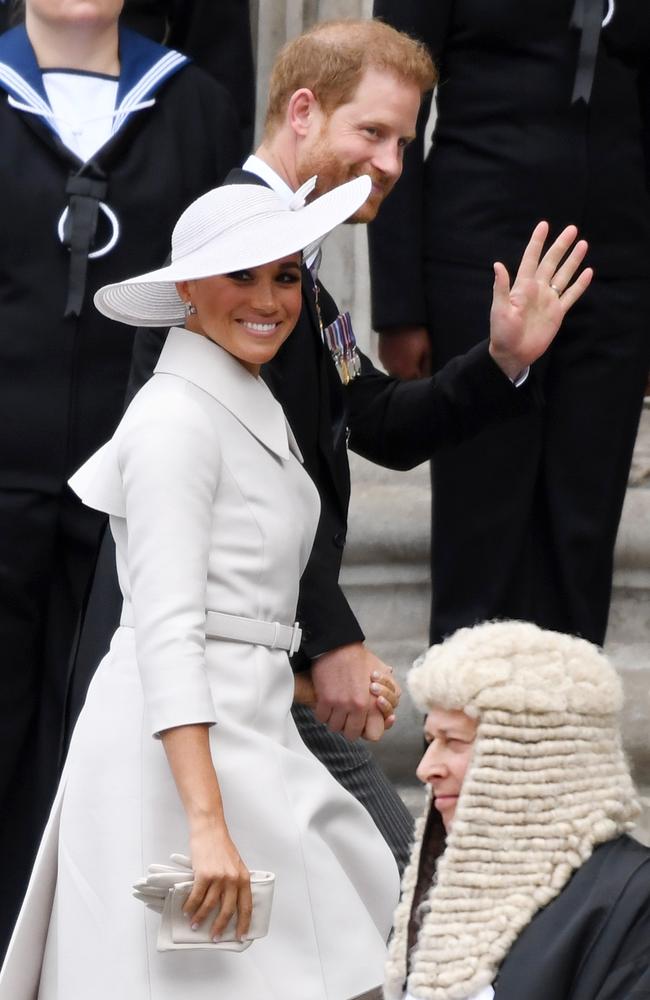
(210, 509)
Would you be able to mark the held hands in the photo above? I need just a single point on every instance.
(524, 319)
(384, 688)
(354, 693)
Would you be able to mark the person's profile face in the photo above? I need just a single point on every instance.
(366, 135)
(450, 737)
(250, 313)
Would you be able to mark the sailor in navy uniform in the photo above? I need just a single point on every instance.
(94, 171)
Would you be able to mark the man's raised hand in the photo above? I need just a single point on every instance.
(524, 319)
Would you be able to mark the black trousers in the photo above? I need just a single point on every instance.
(525, 515)
(48, 548)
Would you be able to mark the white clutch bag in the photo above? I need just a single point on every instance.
(165, 890)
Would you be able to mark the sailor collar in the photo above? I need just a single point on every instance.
(209, 367)
(144, 67)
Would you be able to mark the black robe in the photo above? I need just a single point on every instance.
(592, 942)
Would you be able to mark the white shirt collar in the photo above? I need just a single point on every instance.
(255, 165)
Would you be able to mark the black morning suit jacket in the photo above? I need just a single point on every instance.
(392, 423)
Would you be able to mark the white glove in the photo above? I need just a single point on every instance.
(164, 890)
(154, 888)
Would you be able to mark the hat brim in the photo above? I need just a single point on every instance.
(152, 300)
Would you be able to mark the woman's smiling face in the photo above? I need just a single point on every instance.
(450, 736)
(249, 313)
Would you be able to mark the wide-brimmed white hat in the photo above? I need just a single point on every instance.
(228, 229)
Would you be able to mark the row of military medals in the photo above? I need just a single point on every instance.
(339, 338)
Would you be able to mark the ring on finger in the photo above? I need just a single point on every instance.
(555, 289)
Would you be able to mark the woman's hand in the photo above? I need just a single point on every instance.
(220, 875)
(388, 693)
(303, 689)
(220, 878)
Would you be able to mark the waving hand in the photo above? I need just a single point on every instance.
(525, 318)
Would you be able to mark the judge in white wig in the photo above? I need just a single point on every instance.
(186, 743)
(523, 881)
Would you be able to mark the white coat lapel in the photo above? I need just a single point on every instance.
(208, 366)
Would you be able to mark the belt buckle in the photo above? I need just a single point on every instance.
(296, 636)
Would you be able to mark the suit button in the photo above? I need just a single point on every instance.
(339, 539)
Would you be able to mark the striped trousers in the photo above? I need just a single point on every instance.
(355, 768)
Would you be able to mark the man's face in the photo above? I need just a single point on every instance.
(367, 135)
(450, 739)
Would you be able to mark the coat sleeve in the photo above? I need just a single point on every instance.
(399, 424)
(396, 237)
(326, 617)
(169, 459)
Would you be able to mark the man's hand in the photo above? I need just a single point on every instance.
(384, 688)
(525, 318)
(344, 701)
(405, 351)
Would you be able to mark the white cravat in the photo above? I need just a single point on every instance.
(487, 993)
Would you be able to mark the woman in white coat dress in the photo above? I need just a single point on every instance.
(211, 512)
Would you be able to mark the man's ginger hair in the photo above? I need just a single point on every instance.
(331, 58)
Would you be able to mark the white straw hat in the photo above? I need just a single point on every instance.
(230, 228)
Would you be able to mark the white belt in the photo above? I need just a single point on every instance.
(258, 633)
(236, 629)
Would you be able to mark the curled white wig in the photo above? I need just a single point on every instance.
(547, 782)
